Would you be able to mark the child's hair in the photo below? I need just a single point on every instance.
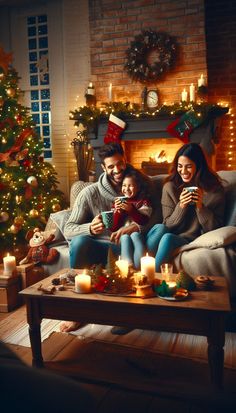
(143, 182)
(204, 177)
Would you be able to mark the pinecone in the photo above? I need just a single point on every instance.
(184, 280)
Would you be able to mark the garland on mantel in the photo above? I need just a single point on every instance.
(90, 116)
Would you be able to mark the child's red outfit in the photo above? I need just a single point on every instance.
(140, 213)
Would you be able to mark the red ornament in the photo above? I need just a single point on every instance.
(26, 163)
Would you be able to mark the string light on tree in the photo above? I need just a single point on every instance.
(22, 181)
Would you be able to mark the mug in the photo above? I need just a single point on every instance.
(191, 189)
(107, 218)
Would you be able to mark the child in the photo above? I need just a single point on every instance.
(135, 208)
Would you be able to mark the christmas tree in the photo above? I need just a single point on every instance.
(28, 185)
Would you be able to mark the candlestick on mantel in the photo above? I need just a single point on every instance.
(110, 93)
(192, 93)
(9, 265)
(148, 267)
(83, 283)
(201, 81)
(184, 96)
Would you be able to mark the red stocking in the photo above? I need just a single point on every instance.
(114, 130)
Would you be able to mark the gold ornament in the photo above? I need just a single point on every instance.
(19, 199)
(1, 170)
(4, 216)
(14, 229)
(19, 220)
(34, 213)
(11, 92)
(1, 102)
(56, 207)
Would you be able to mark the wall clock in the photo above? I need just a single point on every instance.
(152, 99)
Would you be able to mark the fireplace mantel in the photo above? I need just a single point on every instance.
(206, 134)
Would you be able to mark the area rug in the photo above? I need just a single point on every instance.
(181, 345)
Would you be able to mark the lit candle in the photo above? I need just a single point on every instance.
(192, 93)
(184, 96)
(9, 264)
(148, 267)
(110, 93)
(123, 266)
(90, 90)
(201, 81)
(171, 286)
(82, 283)
(138, 278)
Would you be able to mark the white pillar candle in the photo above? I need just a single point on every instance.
(201, 81)
(192, 93)
(148, 267)
(184, 96)
(123, 266)
(82, 283)
(9, 265)
(110, 93)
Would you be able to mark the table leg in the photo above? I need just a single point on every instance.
(35, 340)
(216, 341)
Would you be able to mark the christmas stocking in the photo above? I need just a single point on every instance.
(183, 126)
(115, 129)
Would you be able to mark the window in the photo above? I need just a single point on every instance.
(37, 31)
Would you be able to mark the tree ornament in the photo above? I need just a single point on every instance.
(19, 199)
(4, 216)
(26, 163)
(115, 128)
(32, 181)
(56, 207)
(33, 213)
(151, 55)
(14, 229)
(1, 102)
(19, 220)
(11, 92)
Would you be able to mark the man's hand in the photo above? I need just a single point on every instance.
(97, 226)
(115, 236)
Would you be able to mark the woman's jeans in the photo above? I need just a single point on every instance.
(86, 250)
(160, 243)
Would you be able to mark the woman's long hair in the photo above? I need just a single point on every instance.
(204, 176)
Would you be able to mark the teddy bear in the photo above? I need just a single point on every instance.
(39, 252)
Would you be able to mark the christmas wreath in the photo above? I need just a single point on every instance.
(151, 55)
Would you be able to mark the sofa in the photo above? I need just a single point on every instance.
(213, 253)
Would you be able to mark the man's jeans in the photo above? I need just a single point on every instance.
(86, 250)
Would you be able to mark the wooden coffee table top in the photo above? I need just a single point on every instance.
(216, 299)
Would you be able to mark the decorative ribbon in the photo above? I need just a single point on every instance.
(17, 145)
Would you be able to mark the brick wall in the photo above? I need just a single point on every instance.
(221, 62)
(113, 25)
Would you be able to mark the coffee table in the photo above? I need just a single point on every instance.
(202, 313)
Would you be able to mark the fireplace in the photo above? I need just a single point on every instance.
(143, 139)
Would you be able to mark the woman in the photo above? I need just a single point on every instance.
(186, 215)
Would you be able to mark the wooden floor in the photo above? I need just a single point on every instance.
(140, 380)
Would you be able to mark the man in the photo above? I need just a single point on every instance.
(90, 240)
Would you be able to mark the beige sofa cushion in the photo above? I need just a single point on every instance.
(216, 238)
